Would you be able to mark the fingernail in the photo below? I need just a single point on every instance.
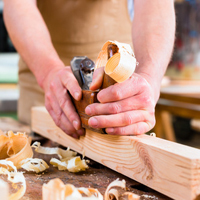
(75, 124)
(76, 95)
(93, 122)
(109, 130)
(88, 110)
(81, 132)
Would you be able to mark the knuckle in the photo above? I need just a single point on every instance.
(57, 122)
(139, 129)
(48, 96)
(128, 119)
(114, 108)
(146, 99)
(143, 83)
(52, 85)
(72, 117)
(116, 92)
(62, 103)
(57, 119)
(121, 131)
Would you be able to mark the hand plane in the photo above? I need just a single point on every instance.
(83, 69)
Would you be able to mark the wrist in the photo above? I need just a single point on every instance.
(47, 67)
(154, 81)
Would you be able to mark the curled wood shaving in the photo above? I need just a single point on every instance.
(121, 65)
(15, 177)
(34, 164)
(131, 196)
(73, 165)
(62, 165)
(56, 189)
(15, 148)
(116, 183)
(68, 159)
(62, 154)
(112, 193)
(76, 165)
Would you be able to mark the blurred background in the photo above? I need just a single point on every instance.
(184, 66)
(9, 92)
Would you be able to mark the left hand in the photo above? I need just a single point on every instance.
(126, 108)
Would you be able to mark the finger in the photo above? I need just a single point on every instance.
(70, 83)
(132, 86)
(58, 116)
(133, 129)
(97, 78)
(64, 124)
(67, 127)
(53, 107)
(121, 119)
(137, 102)
(65, 103)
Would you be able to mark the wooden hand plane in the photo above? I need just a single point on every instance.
(83, 69)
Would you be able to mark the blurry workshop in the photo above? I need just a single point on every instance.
(40, 161)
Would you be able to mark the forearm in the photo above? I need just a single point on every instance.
(30, 36)
(153, 38)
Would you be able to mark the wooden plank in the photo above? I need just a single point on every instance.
(170, 168)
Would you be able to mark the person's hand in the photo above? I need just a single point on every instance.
(56, 85)
(125, 108)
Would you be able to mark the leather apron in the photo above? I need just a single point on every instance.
(77, 28)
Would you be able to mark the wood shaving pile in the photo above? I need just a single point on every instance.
(56, 189)
(16, 152)
(68, 159)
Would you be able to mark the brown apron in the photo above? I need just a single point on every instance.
(77, 28)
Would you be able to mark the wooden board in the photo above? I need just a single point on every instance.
(170, 168)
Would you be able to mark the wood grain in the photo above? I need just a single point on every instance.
(170, 168)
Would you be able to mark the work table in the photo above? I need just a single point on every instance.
(97, 176)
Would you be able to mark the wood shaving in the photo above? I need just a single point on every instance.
(15, 177)
(116, 183)
(56, 189)
(62, 154)
(121, 65)
(34, 164)
(15, 147)
(68, 159)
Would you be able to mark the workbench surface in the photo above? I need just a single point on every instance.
(97, 176)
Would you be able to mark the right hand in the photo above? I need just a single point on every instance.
(56, 85)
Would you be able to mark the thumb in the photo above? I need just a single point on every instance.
(97, 78)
